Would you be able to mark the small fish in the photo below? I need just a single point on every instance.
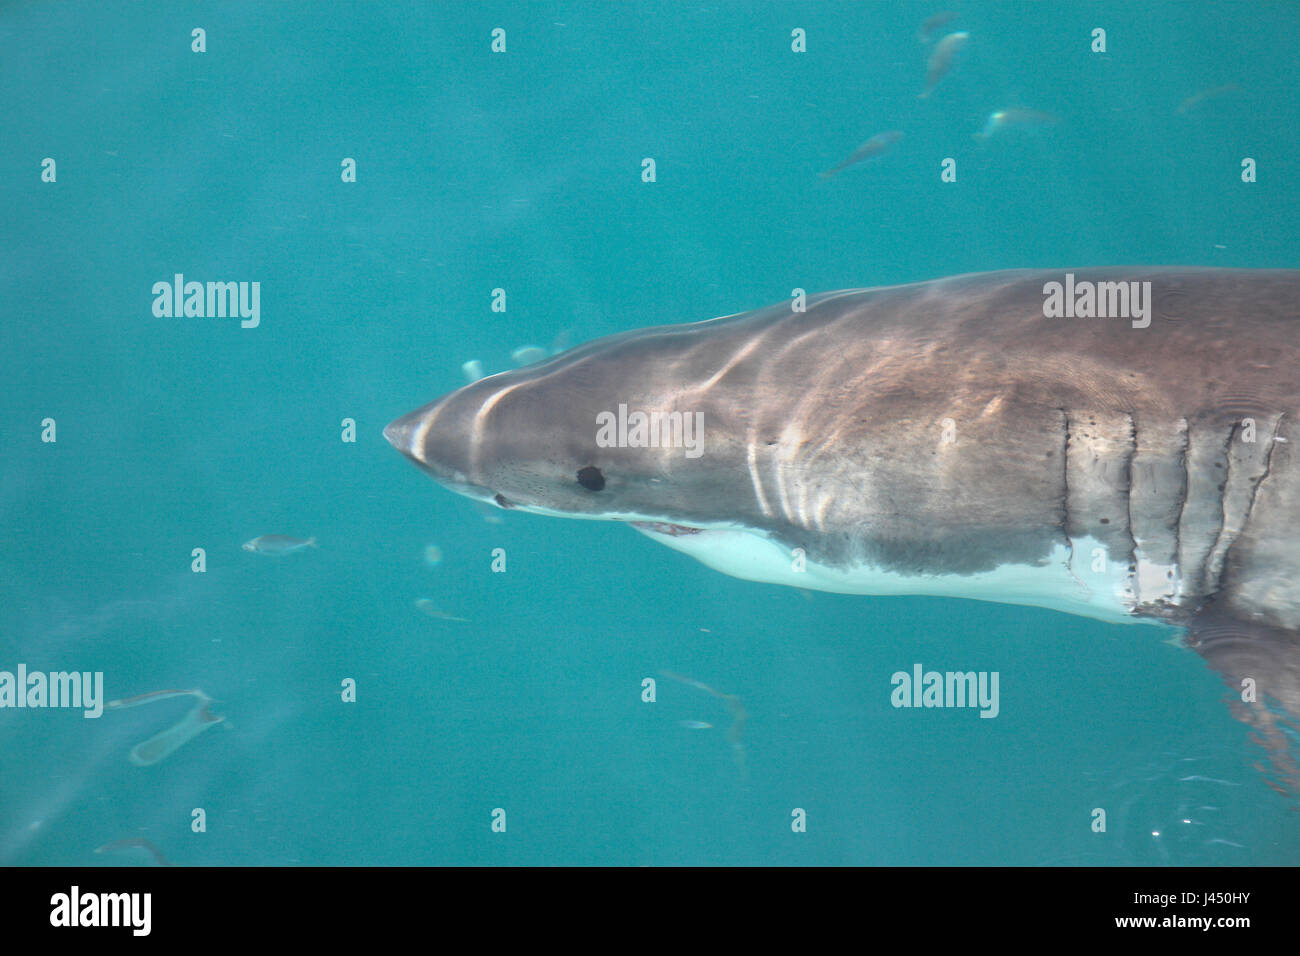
(528, 354)
(427, 607)
(695, 724)
(166, 742)
(151, 697)
(1196, 99)
(277, 544)
(472, 370)
(1003, 119)
(134, 843)
(432, 555)
(691, 682)
(489, 513)
(738, 714)
(878, 144)
(933, 23)
(941, 60)
(561, 341)
(1222, 842)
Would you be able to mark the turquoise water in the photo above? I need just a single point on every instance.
(522, 171)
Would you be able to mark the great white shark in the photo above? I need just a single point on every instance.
(1116, 443)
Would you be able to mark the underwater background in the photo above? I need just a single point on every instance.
(522, 171)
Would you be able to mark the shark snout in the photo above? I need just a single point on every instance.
(438, 439)
(397, 433)
(429, 437)
(401, 434)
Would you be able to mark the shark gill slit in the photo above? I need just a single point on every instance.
(1268, 467)
(1065, 484)
(1249, 509)
(1209, 586)
(1126, 475)
(1182, 498)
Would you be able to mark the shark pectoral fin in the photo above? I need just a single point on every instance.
(1261, 666)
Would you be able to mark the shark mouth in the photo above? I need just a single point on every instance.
(664, 527)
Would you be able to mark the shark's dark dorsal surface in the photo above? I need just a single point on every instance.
(1118, 443)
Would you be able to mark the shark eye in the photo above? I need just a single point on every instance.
(591, 478)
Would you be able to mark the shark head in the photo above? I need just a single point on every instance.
(623, 430)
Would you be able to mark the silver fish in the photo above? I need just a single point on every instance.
(941, 60)
(277, 544)
(528, 354)
(135, 844)
(168, 741)
(1199, 97)
(427, 607)
(878, 144)
(999, 120)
